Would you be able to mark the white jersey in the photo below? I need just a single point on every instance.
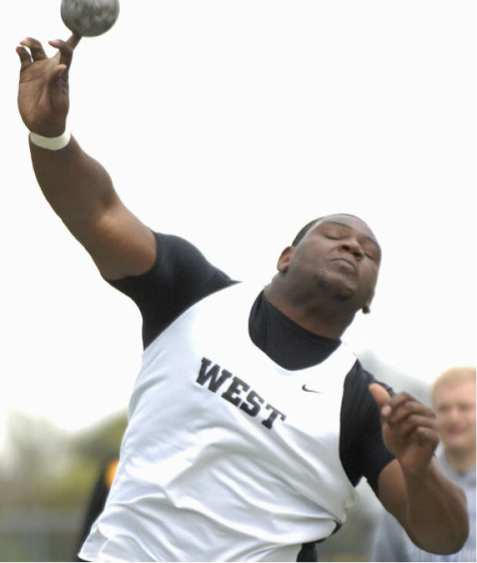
(227, 456)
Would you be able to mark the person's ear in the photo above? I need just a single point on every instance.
(285, 259)
(366, 309)
(367, 306)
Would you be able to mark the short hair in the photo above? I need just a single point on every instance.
(454, 376)
(302, 232)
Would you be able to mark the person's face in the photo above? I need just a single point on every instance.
(455, 413)
(339, 253)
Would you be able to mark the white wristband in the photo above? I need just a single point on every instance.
(51, 143)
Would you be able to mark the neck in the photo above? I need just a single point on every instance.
(320, 314)
(461, 460)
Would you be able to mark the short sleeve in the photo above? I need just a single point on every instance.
(180, 276)
(362, 448)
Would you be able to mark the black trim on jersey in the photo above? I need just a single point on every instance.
(308, 552)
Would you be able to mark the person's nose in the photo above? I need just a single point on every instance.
(451, 416)
(353, 247)
(454, 414)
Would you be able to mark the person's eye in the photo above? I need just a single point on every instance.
(371, 252)
(332, 236)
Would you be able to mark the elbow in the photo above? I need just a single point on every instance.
(452, 540)
(457, 540)
(443, 546)
(459, 532)
(453, 545)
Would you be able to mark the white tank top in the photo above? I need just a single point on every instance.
(227, 455)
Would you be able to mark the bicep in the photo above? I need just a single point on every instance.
(118, 242)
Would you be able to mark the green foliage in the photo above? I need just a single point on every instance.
(47, 467)
(101, 441)
(46, 482)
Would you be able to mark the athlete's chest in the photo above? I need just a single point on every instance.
(208, 358)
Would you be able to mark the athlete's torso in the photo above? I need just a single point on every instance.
(225, 442)
(352, 412)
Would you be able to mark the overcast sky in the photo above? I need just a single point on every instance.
(233, 124)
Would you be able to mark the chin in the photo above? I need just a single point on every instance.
(456, 443)
(337, 288)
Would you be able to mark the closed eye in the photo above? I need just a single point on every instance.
(334, 230)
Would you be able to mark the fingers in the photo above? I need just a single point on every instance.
(402, 410)
(31, 50)
(65, 49)
(404, 405)
(25, 58)
(421, 427)
(35, 52)
(36, 48)
(409, 427)
(407, 417)
(379, 393)
(74, 40)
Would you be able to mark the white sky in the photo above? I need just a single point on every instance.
(233, 124)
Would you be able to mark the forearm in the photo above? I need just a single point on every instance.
(76, 186)
(436, 515)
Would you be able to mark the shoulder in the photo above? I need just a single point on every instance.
(362, 448)
(358, 404)
(358, 380)
(180, 276)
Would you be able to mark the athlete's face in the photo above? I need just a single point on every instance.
(455, 415)
(340, 254)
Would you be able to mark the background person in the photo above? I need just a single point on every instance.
(453, 398)
(251, 422)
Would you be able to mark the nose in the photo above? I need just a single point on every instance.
(453, 414)
(353, 247)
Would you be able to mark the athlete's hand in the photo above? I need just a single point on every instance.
(43, 93)
(409, 428)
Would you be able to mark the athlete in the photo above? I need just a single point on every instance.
(250, 422)
(453, 398)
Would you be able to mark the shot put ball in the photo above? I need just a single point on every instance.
(89, 18)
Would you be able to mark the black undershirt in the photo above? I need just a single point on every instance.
(285, 342)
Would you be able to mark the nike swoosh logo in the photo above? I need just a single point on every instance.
(305, 388)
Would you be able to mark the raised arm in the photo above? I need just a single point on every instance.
(77, 187)
(430, 507)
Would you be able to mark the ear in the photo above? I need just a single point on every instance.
(366, 309)
(285, 259)
(367, 306)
